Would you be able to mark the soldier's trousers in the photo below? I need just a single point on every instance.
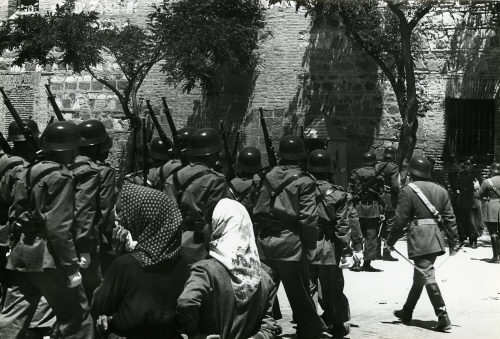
(426, 264)
(328, 281)
(469, 223)
(369, 228)
(25, 291)
(91, 277)
(295, 278)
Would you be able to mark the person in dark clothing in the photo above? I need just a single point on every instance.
(490, 193)
(425, 238)
(137, 297)
(228, 294)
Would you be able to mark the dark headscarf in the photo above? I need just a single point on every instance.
(154, 222)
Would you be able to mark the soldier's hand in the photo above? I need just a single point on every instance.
(74, 280)
(84, 260)
(357, 256)
(311, 255)
(346, 262)
(382, 217)
(102, 324)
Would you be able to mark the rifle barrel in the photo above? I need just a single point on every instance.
(154, 118)
(53, 102)
(145, 155)
(271, 155)
(4, 144)
(170, 120)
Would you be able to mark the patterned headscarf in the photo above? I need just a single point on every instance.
(233, 245)
(153, 221)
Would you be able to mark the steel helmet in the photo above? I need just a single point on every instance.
(158, 150)
(420, 166)
(389, 153)
(369, 158)
(291, 148)
(183, 140)
(205, 141)
(320, 162)
(16, 134)
(61, 136)
(495, 169)
(249, 160)
(93, 133)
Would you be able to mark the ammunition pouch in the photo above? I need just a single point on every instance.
(26, 224)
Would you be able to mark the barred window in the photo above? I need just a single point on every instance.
(27, 5)
(470, 127)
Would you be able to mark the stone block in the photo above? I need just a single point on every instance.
(70, 86)
(84, 86)
(96, 86)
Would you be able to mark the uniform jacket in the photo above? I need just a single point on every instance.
(491, 206)
(244, 190)
(208, 306)
(295, 210)
(86, 181)
(9, 167)
(467, 196)
(51, 201)
(390, 173)
(426, 238)
(370, 206)
(199, 198)
(107, 197)
(334, 222)
(157, 176)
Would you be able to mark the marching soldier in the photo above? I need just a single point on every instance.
(390, 172)
(87, 183)
(197, 188)
(370, 208)
(335, 216)
(10, 165)
(286, 213)
(490, 192)
(244, 187)
(44, 261)
(427, 207)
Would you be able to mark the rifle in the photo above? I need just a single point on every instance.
(366, 187)
(161, 132)
(51, 120)
(4, 144)
(53, 102)
(235, 148)
(170, 121)
(271, 156)
(24, 129)
(145, 155)
(229, 159)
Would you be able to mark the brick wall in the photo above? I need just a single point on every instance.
(307, 70)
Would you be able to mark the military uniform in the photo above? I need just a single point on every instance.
(45, 255)
(286, 213)
(490, 193)
(244, 190)
(335, 220)
(86, 181)
(468, 207)
(425, 240)
(196, 189)
(369, 208)
(158, 175)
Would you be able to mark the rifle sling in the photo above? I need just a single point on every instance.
(180, 188)
(436, 215)
(494, 189)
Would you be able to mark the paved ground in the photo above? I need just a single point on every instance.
(470, 287)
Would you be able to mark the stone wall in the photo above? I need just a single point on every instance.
(308, 70)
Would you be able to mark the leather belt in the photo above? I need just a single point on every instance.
(420, 222)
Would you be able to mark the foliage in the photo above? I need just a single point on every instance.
(205, 37)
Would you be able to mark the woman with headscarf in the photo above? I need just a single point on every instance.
(228, 294)
(137, 298)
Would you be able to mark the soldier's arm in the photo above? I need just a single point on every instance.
(342, 226)
(449, 221)
(86, 209)
(216, 191)
(107, 196)
(403, 214)
(355, 226)
(307, 216)
(484, 189)
(58, 213)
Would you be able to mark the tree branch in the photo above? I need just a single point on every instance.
(421, 12)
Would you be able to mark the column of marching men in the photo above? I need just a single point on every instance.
(60, 234)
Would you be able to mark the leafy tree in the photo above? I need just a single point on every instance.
(385, 31)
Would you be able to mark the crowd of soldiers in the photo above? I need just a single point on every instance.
(58, 230)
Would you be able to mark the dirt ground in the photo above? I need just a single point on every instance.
(470, 288)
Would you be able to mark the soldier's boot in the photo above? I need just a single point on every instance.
(367, 267)
(495, 243)
(473, 242)
(356, 267)
(388, 256)
(444, 323)
(379, 249)
(406, 313)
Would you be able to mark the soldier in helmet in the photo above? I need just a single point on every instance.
(197, 188)
(370, 210)
(10, 164)
(427, 207)
(44, 261)
(490, 193)
(390, 172)
(87, 183)
(286, 214)
(336, 217)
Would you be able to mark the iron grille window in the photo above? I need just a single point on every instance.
(27, 5)
(471, 126)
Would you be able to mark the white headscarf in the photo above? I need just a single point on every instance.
(233, 245)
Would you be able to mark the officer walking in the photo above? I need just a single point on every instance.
(427, 207)
(335, 218)
(370, 208)
(44, 260)
(490, 193)
(197, 188)
(286, 213)
(390, 172)
(87, 183)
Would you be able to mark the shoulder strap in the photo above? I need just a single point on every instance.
(180, 188)
(493, 187)
(282, 186)
(426, 201)
(9, 167)
(239, 196)
(323, 195)
(162, 175)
